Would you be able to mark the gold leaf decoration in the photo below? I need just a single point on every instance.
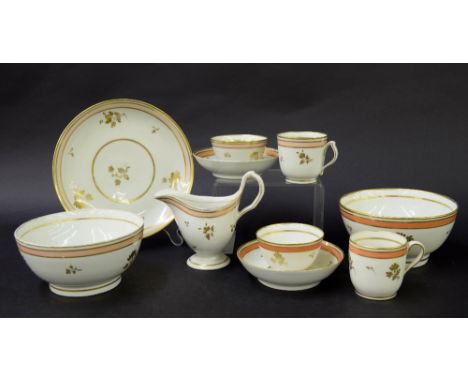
(394, 272)
(278, 258)
(130, 259)
(119, 174)
(71, 270)
(208, 231)
(254, 155)
(81, 198)
(111, 118)
(303, 157)
(173, 179)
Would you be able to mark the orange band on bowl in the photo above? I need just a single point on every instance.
(276, 248)
(377, 254)
(58, 253)
(399, 224)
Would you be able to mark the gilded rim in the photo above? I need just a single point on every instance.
(302, 138)
(131, 104)
(400, 245)
(256, 139)
(332, 249)
(319, 238)
(396, 218)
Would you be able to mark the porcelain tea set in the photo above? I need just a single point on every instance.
(123, 171)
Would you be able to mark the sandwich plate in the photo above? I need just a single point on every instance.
(116, 155)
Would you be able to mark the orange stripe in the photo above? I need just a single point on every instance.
(301, 144)
(399, 224)
(80, 252)
(276, 248)
(325, 246)
(377, 255)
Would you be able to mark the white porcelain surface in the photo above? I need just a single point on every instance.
(300, 163)
(403, 211)
(116, 155)
(224, 169)
(328, 259)
(208, 223)
(239, 147)
(81, 253)
(380, 278)
(290, 246)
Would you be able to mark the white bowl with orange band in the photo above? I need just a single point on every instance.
(377, 262)
(416, 214)
(83, 252)
(290, 246)
(239, 147)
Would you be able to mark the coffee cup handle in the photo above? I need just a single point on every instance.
(418, 257)
(331, 144)
(261, 191)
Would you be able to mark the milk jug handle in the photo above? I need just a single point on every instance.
(261, 191)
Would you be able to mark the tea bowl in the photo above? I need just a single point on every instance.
(290, 246)
(83, 252)
(239, 147)
(252, 259)
(419, 215)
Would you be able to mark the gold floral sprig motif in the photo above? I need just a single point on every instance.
(112, 118)
(408, 237)
(130, 259)
(173, 179)
(81, 198)
(351, 266)
(278, 258)
(394, 271)
(233, 227)
(208, 231)
(71, 152)
(119, 174)
(303, 157)
(71, 270)
(154, 129)
(254, 155)
(227, 155)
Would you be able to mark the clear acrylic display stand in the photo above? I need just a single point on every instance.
(282, 201)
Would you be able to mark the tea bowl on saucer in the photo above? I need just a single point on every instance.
(81, 253)
(235, 147)
(416, 214)
(252, 259)
(289, 246)
(229, 169)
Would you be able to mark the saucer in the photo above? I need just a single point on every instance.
(328, 259)
(116, 155)
(224, 169)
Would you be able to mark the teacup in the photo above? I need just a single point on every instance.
(289, 246)
(239, 147)
(377, 262)
(302, 155)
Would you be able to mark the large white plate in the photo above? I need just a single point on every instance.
(117, 154)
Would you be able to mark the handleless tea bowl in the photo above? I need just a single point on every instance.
(83, 252)
(416, 214)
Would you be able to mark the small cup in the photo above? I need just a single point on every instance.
(290, 246)
(377, 263)
(302, 155)
(239, 147)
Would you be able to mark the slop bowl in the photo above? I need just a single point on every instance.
(416, 214)
(83, 252)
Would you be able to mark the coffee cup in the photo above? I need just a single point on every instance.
(377, 262)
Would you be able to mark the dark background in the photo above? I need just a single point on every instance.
(395, 126)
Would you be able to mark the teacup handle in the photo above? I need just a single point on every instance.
(261, 191)
(418, 257)
(331, 144)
